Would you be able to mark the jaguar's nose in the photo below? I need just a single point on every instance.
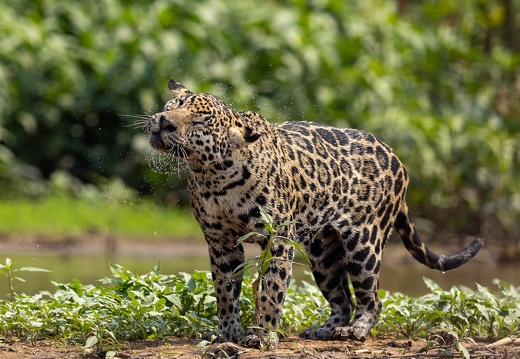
(166, 125)
(159, 122)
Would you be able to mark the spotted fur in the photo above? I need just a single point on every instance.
(343, 187)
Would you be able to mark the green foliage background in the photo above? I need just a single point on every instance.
(438, 80)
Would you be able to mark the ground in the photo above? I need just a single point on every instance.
(289, 348)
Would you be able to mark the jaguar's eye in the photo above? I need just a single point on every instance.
(201, 121)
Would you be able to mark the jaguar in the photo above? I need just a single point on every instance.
(343, 189)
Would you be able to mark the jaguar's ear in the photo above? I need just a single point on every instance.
(177, 89)
(240, 136)
(250, 135)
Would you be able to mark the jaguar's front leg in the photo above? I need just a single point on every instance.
(224, 258)
(269, 298)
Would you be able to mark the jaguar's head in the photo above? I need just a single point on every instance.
(198, 127)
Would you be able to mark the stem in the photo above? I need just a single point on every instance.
(10, 280)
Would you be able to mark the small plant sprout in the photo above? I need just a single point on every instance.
(8, 271)
(262, 261)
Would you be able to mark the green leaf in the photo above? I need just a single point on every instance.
(175, 299)
(243, 266)
(463, 350)
(204, 343)
(299, 249)
(157, 268)
(91, 341)
(192, 284)
(199, 275)
(118, 271)
(434, 287)
(287, 223)
(246, 236)
(267, 219)
(33, 269)
(265, 261)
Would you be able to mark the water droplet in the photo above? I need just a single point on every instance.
(164, 163)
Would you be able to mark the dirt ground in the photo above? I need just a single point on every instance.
(289, 348)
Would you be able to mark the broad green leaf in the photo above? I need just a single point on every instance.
(463, 350)
(434, 287)
(199, 275)
(157, 268)
(204, 343)
(91, 341)
(192, 284)
(118, 271)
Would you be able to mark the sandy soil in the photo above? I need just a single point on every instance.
(289, 348)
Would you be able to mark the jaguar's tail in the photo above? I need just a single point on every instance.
(421, 253)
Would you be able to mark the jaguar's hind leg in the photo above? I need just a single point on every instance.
(364, 262)
(327, 256)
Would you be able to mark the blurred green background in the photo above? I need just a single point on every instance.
(437, 80)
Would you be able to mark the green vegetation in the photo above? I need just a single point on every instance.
(59, 216)
(438, 81)
(262, 263)
(66, 206)
(129, 306)
(7, 270)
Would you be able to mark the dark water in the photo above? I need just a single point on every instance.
(395, 276)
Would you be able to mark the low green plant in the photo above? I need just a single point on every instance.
(129, 306)
(263, 260)
(9, 271)
(447, 317)
(265, 257)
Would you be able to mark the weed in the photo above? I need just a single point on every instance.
(460, 312)
(262, 263)
(8, 270)
(130, 306)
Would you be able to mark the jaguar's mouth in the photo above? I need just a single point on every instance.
(174, 149)
(156, 142)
